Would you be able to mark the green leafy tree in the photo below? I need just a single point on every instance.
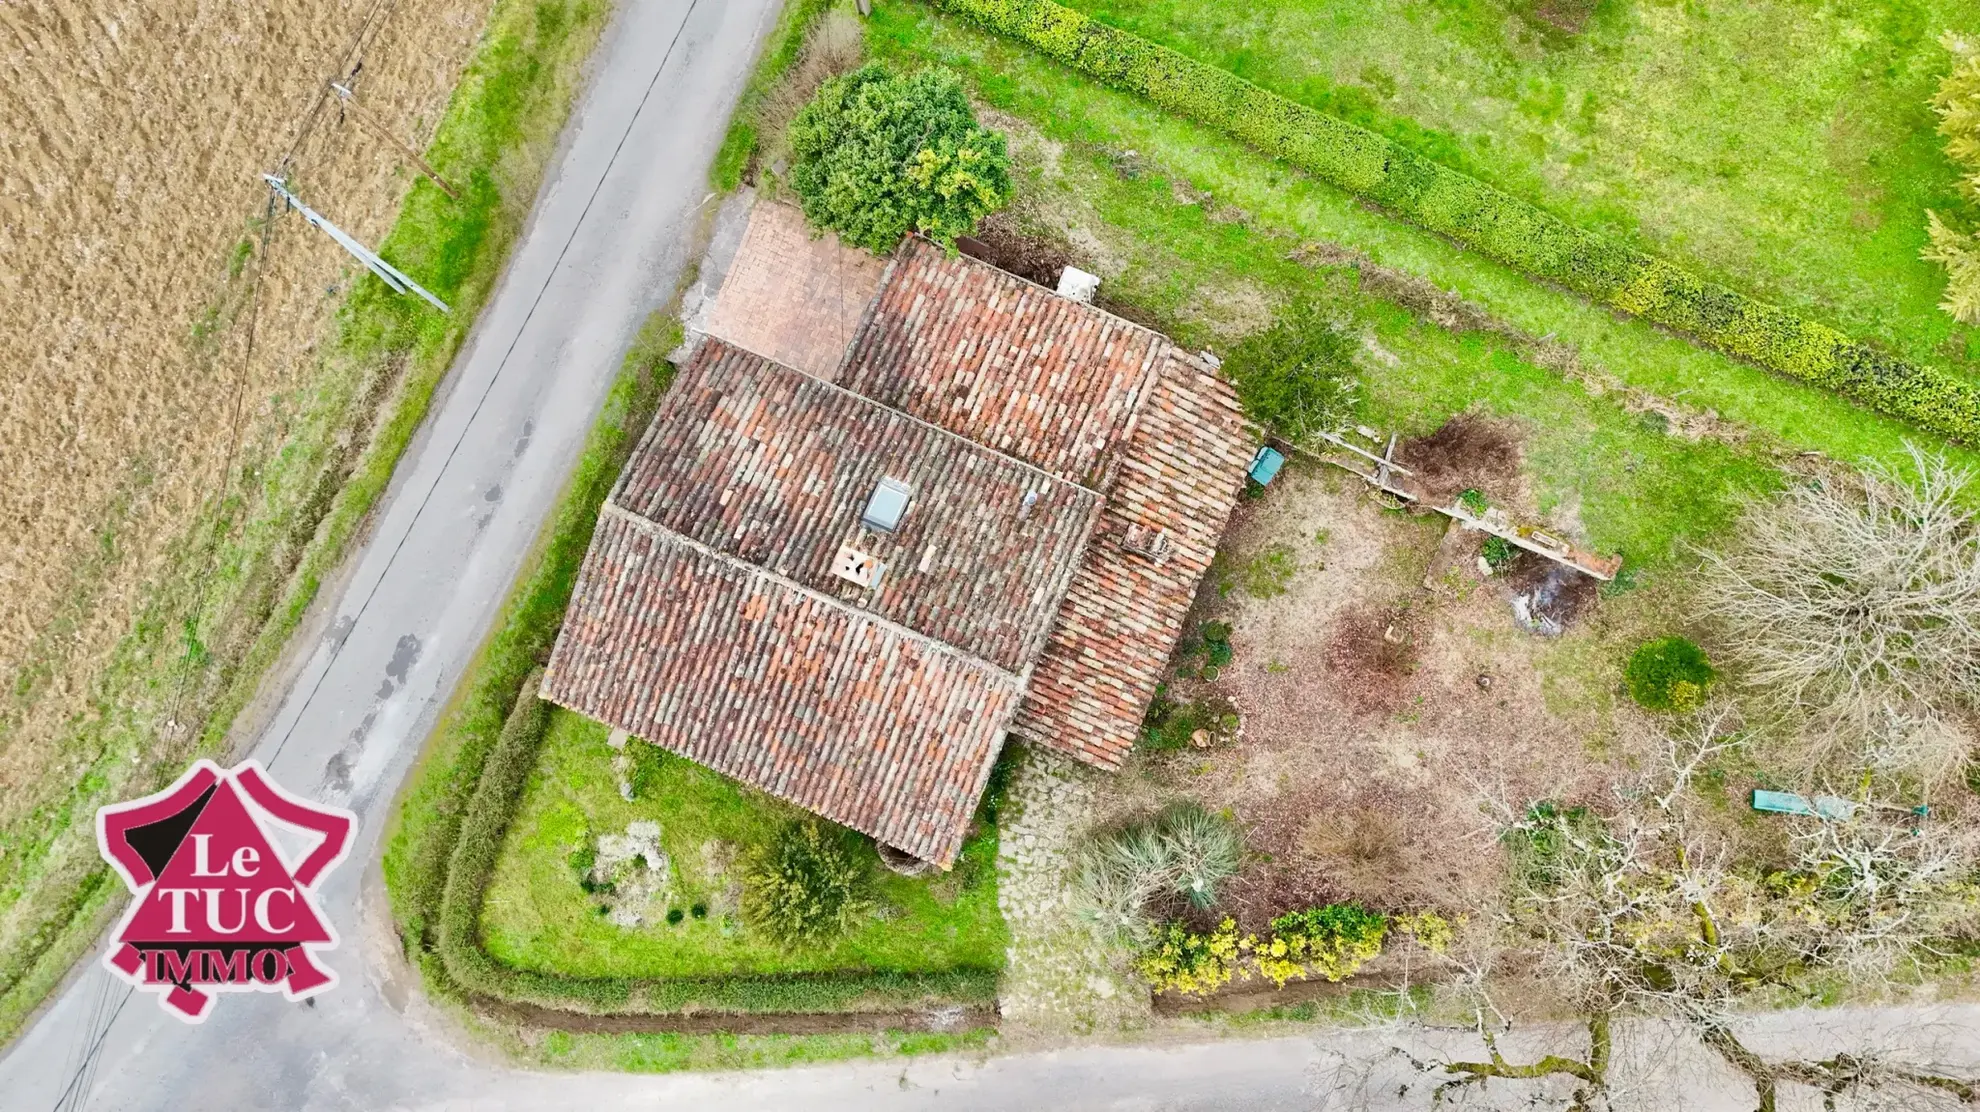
(1297, 378)
(877, 155)
(1957, 103)
(1959, 252)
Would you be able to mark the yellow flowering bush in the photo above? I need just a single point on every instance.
(1331, 942)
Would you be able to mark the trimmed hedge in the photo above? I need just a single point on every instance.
(1489, 221)
(472, 969)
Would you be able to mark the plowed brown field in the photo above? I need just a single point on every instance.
(160, 473)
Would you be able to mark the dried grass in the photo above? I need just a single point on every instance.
(837, 45)
(1361, 850)
(1374, 651)
(123, 272)
(129, 230)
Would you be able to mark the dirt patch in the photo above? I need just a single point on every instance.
(1000, 243)
(1371, 750)
(1372, 654)
(1566, 15)
(1467, 453)
(1548, 597)
(1851, 143)
(835, 1023)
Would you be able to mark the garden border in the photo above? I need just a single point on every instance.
(497, 794)
(1488, 220)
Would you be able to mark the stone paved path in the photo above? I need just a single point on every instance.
(1060, 978)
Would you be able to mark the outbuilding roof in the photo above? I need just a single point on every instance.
(1004, 362)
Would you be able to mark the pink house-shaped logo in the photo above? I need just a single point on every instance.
(216, 907)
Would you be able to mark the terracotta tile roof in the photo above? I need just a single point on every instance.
(1001, 361)
(862, 721)
(772, 466)
(1181, 474)
(794, 295)
(707, 618)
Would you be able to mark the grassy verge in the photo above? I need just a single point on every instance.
(239, 585)
(1497, 225)
(739, 144)
(1209, 237)
(536, 915)
(671, 1053)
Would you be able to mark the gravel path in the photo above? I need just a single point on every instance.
(1060, 978)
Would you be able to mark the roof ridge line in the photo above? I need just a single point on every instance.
(661, 532)
(875, 403)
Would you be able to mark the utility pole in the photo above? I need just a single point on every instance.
(387, 273)
(374, 123)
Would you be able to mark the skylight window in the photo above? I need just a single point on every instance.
(887, 505)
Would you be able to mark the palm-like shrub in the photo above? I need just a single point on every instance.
(876, 155)
(1183, 850)
(810, 884)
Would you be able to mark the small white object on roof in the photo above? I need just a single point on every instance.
(855, 566)
(886, 505)
(1078, 285)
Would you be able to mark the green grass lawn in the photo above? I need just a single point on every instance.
(665, 1053)
(1204, 277)
(1196, 229)
(536, 916)
(1782, 146)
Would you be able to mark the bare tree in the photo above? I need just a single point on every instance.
(1854, 602)
(1648, 913)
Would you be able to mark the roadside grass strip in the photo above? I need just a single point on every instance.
(1487, 220)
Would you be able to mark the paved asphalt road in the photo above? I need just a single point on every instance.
(609, 239)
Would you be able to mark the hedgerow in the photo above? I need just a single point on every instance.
(1668, 674)
(471, 969)
(1487, 220)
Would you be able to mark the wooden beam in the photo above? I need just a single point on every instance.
(374, 123)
